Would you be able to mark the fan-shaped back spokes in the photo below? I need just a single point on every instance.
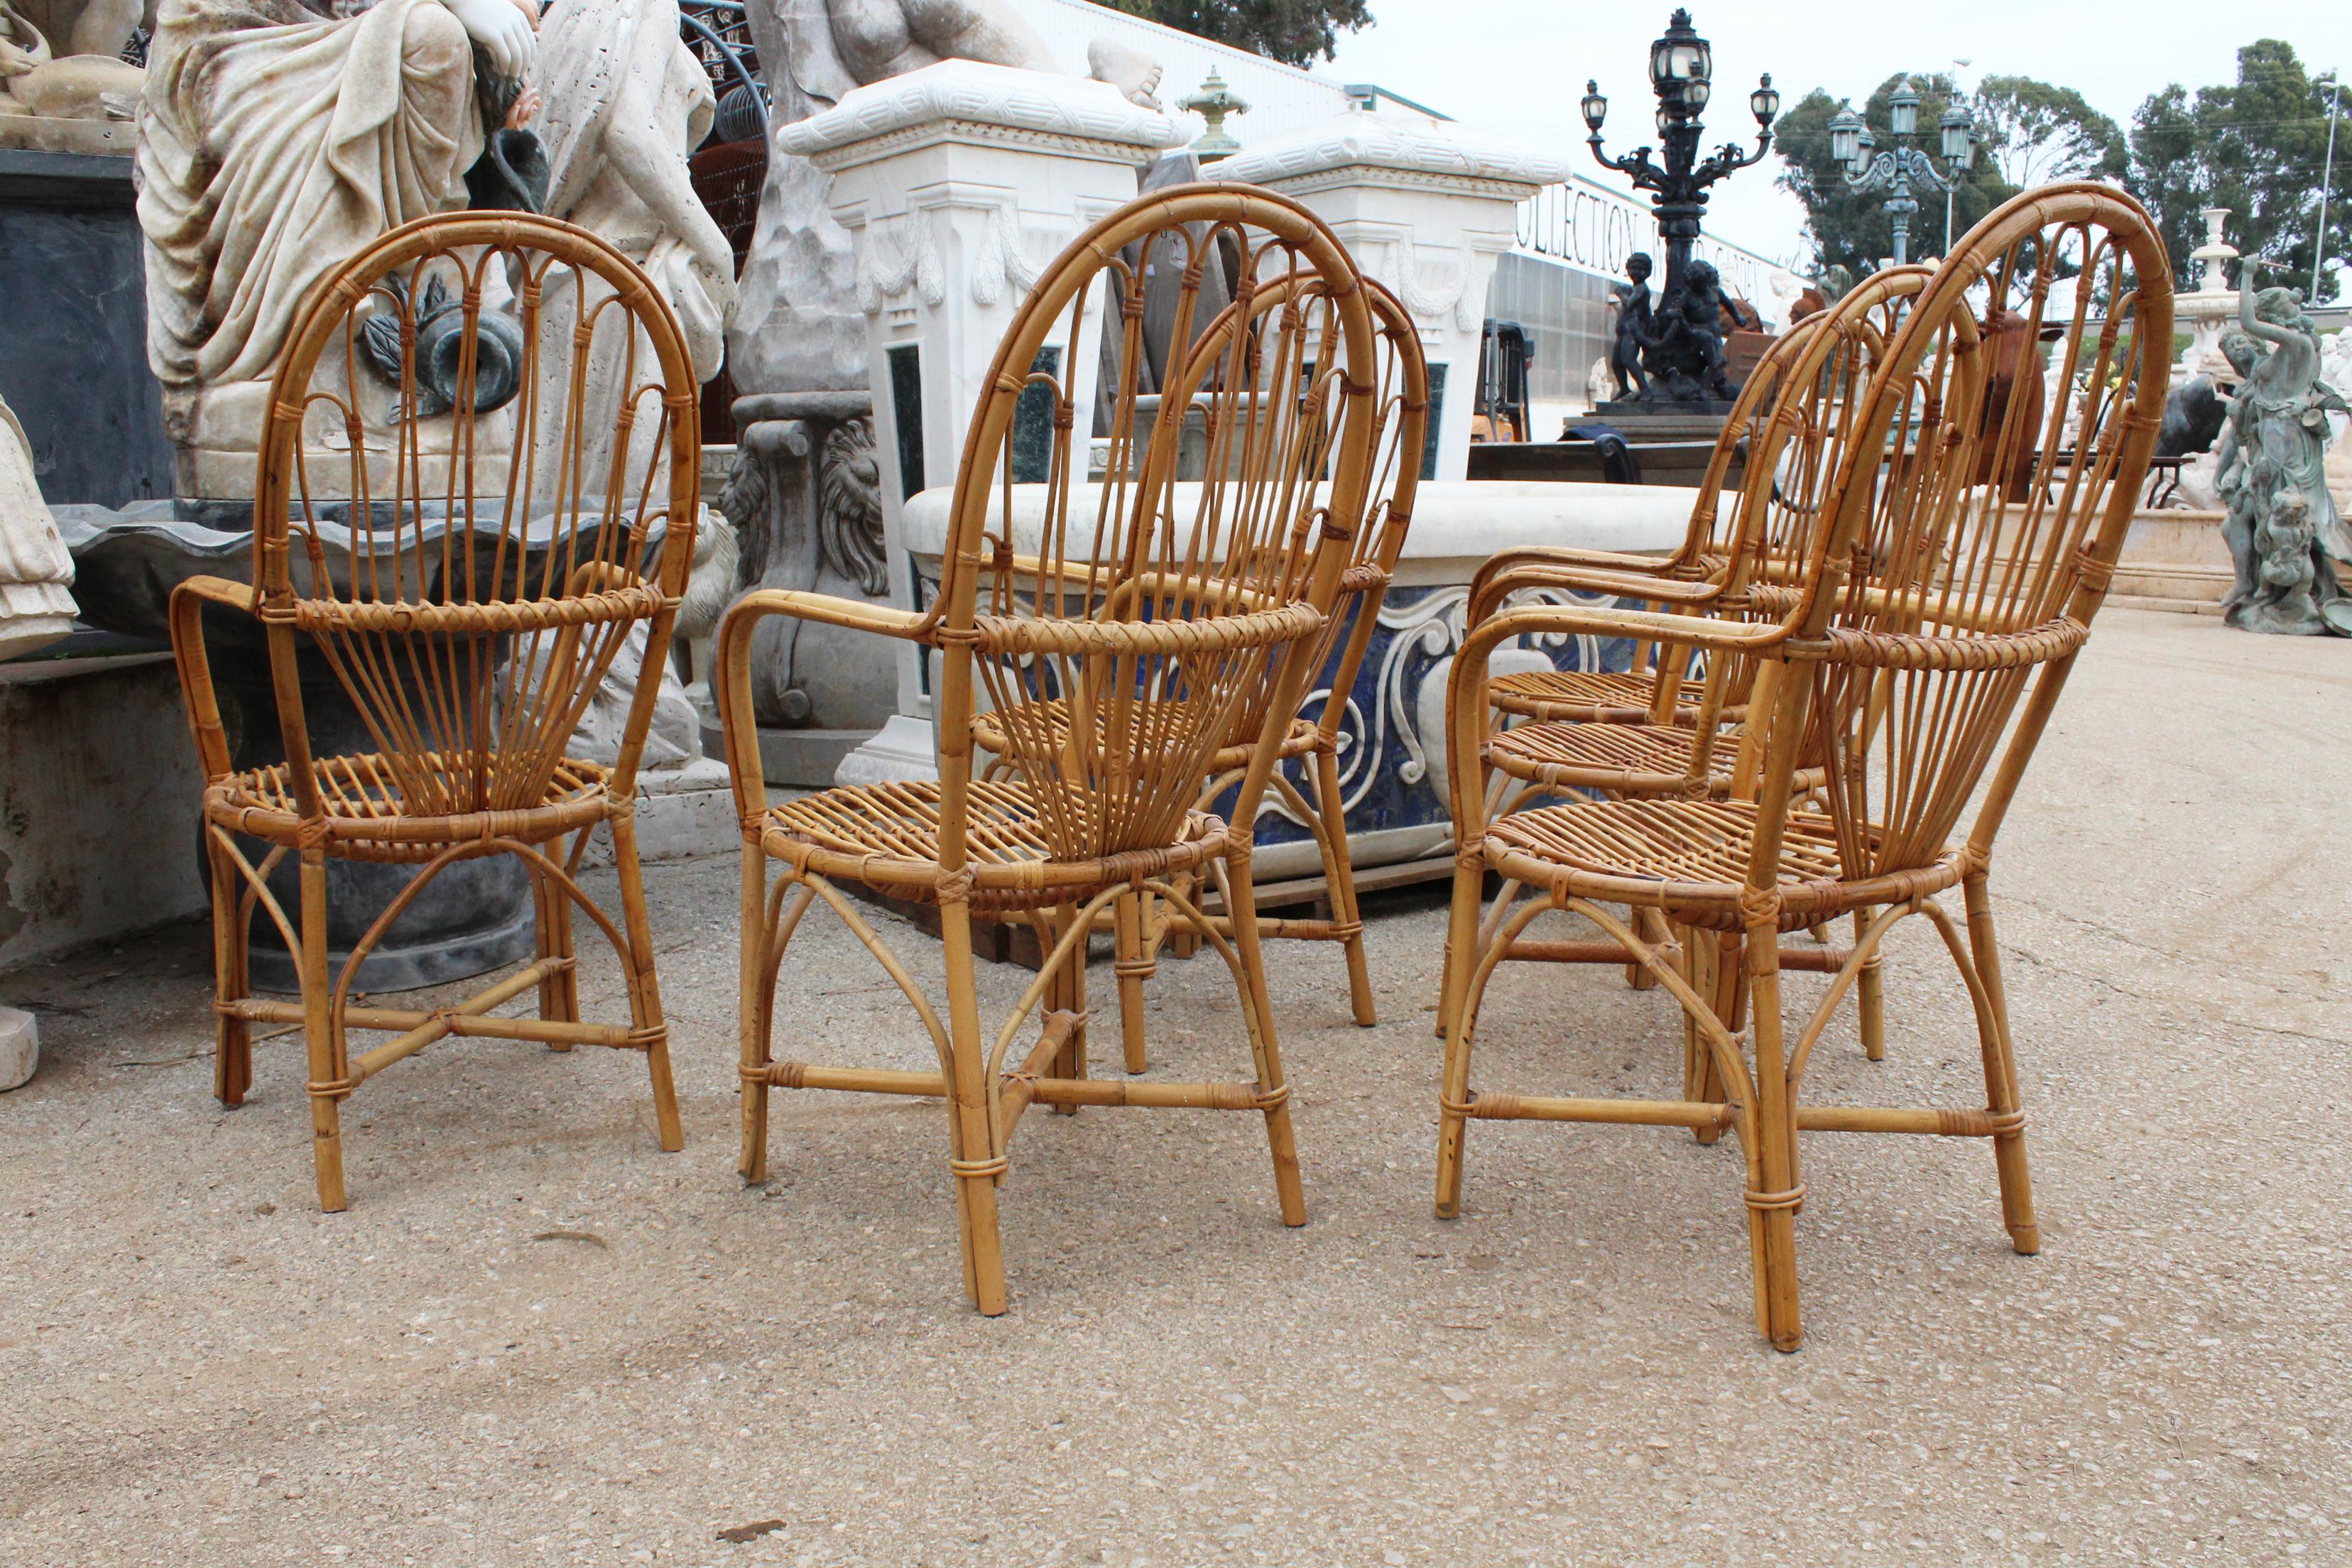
(479, 485)
(1799, 411)
(1122, 642)
(1399, 447)
(1950, 584)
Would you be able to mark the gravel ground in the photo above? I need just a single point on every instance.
(535, 1337)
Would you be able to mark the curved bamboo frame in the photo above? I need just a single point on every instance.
(470, 745)
(1158, 641)
(1139, 930)
(1918, 656)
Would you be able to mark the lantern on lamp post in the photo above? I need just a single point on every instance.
(1895, 170)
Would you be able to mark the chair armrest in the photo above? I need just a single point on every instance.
(731, 671)
(1466, 713)
(1570, 555)
(1493, 587)
(197, 693)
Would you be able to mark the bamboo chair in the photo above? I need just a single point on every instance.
(1930, 637)
(1118, 648)
(1139, 924)
(470, 652)
(1754, 555)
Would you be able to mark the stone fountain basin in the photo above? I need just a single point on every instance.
(1392, 742)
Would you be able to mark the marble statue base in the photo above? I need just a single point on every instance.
(20, 1047)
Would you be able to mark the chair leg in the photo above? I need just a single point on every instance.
(1717, 957)
(1257, 1016)
(1456, 1008)
(559, 994)
(320, 1035)
(970, 1138)
(2000, 1073)
(1340, 874)
(1133, 966)
(645, 990)
(1070, 1061)
(1651, 927)
(1773, 1191)
(752, 1015)
(1868, 998)
(232, 1051)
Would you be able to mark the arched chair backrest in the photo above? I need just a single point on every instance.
(1810, 404)
(1400, 445)
(1940, 598)
(1399, 449)
(1121, 628)
(478, 482)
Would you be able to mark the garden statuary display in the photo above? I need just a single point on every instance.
(625, 103)
(277, 140)
(2285, 533)
(799, 329)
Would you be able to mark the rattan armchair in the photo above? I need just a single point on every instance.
(503, 552)
(1761, 538)
(1141, 925)
(1121, 642)
(1930, 635)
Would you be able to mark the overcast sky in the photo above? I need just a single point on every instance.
(1520, 65)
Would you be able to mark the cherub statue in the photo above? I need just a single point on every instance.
(2283, 528)
(1635, 322)
(1691, 330)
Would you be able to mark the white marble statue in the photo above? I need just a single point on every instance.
(35, 573)
(624, 103)
(62, 87)
(277, 138)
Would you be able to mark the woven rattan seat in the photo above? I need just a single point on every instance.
(1051, 720)
(1636, 759)
(888, 834)
(1690, 858)
(366, 809)
(1602, 696)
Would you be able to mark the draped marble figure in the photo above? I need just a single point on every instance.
(277, 138)
(625, 103)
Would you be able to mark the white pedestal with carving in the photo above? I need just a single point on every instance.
(959, 183)
(1425, 210)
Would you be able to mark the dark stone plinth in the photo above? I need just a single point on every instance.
(73, 330)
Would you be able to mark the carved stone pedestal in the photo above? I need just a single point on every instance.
(958, 184)
(1426, 211)
(805, 498)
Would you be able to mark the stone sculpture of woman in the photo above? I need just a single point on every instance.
(2284, 530)
(625, 103)
(277, 138)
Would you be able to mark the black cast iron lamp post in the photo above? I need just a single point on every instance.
(1852, 143)
(1682, 74)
